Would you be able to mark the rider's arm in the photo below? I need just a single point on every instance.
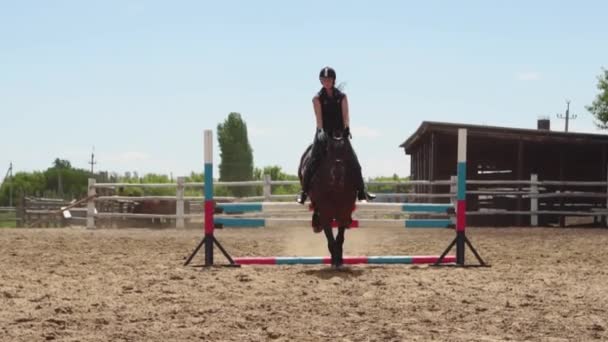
(345, 114)
(317, 105)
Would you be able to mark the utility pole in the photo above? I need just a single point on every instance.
(567, 116)
(92, 162)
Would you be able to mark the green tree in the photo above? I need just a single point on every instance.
(62, 180)
(400, 188)
(276, 173)
(235, 153)
(24, 183)
(599, 107)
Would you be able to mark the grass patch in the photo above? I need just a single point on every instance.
(8, 220)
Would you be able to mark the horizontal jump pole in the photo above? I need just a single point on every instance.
(348, 260)
(221, 222)
(144, 198)
(231, 208)
(237, 222)
(429, 223)
(428, 208)
(144, 216)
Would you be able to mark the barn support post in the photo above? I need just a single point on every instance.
(520, 175)
(179, 203)
(604, 176)
(562, 174)
(433, 162)
(606, 217)
(91, 204)
(533, 199)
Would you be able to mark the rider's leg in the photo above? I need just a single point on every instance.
(361, 193)
(313, 164)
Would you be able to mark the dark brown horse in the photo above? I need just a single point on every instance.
(333, 191)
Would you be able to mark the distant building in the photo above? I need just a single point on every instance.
(503, 153)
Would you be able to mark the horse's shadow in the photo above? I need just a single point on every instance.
(326, 273)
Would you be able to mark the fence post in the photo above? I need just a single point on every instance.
(606, 217)
(267, 188)
(453, 191)
(179, 205)
(91, 204)
(534, 199)
(21, 215)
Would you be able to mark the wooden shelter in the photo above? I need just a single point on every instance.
(503, 153)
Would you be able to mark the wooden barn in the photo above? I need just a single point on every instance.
(502, 153)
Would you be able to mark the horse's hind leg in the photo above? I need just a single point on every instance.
(339, 242)
(331, 242)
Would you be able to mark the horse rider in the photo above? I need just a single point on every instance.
(331, 111)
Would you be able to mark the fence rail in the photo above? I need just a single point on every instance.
(532, 190)
(545, 197)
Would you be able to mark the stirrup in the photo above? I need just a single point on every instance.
(301, 199)
(364, 195)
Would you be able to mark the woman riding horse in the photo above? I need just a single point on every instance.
(331, 112)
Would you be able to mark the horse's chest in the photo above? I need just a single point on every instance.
(337, 174)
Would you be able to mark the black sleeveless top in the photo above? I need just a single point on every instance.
(331, 110)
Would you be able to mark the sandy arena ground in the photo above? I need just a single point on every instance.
(130, 285)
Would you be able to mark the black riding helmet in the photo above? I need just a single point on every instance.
(328, 72)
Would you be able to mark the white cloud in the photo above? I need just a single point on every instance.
(257, 131)
(385, 167)
(128, 156)
(528, 76)
(364, 132)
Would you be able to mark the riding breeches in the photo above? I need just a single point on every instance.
(316, 155)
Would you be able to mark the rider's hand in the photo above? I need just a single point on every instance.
(347, 133)
(321, 136)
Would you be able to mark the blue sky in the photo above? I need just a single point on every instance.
(141, 80)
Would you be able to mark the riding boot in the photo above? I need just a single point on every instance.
(361, 193)
(303, 195)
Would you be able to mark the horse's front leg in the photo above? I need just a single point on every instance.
(331, 242)
(339, 243)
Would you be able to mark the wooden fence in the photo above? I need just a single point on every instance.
(544, 198)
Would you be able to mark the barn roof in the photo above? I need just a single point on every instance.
(504, 133)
